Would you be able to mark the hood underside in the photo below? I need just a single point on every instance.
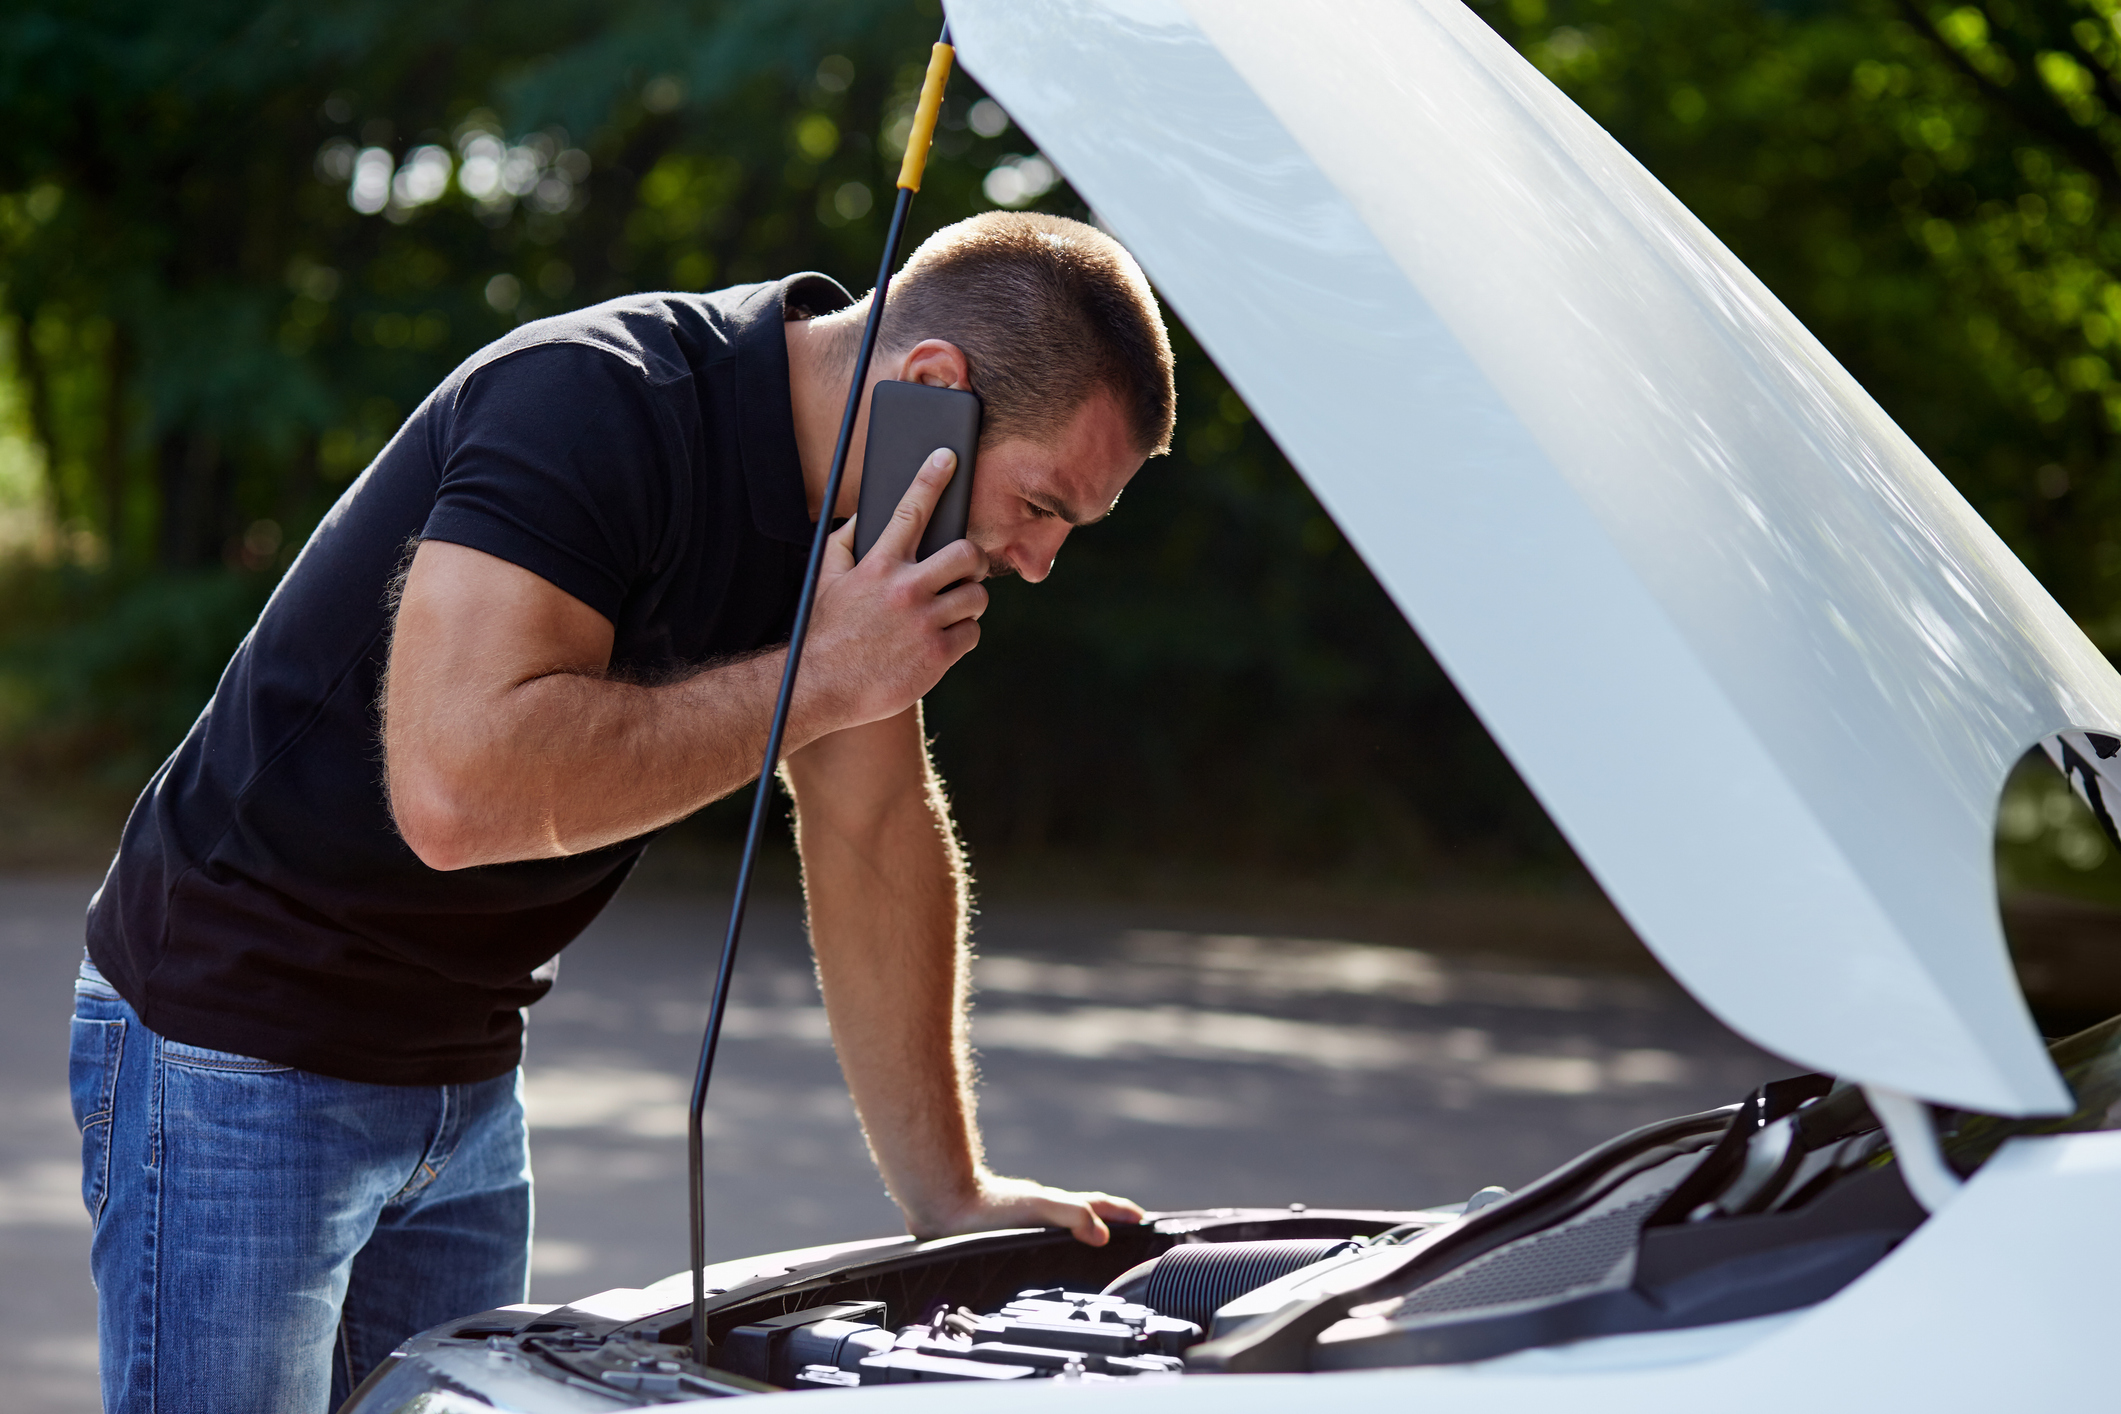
(1763, 665)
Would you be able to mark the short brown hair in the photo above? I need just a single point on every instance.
(1047, 311)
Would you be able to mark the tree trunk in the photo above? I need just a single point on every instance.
(37, 379)
(117, 368)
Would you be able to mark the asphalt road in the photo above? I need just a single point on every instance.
(1164, 1056)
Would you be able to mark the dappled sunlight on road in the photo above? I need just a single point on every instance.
(1181, 1067)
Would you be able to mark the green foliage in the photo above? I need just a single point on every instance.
(239, 243)
(1932, 189)
(2048, 842)
(100, 673)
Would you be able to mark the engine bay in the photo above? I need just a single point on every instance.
(1766, 1206)
(1057, 1331)
(1141, 1324)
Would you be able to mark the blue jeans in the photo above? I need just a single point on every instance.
(263, 1236)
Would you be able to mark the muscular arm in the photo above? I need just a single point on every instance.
(505, 738)
(889, 905)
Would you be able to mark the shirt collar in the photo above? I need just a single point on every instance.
(773, 469)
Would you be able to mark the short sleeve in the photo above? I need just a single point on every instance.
(561, 459)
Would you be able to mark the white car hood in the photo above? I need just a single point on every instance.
(1763, 665)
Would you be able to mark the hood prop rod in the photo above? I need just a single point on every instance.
(909, 182)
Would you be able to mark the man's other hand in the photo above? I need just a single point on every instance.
(887, 629)
(1019, 1202)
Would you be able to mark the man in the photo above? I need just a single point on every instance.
(539, 629)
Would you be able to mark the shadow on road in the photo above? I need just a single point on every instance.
(1149, 1050)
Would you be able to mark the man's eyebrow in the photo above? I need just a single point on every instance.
(1056, 508)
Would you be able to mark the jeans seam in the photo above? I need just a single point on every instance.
(152, 1247)
(183, 1053)
(345, 1342)
(95, 1214)
(255, 1067)
(107, 1116)
(440, 1150)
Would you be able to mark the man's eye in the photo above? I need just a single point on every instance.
(1039, 512)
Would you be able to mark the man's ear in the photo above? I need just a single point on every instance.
(936, 363)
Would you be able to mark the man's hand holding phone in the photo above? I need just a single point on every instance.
(886, 629)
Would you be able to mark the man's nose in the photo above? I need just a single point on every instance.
(1034, 561)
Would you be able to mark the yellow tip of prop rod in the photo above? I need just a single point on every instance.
(931, 106)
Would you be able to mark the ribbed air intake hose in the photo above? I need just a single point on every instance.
(1194, 1280)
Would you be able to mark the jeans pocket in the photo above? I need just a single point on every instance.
(93, 1056)
(202, 1058)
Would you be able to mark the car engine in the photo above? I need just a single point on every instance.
(1770, 1205)
(1140, 1325)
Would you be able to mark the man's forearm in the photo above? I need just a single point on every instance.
(569, 762)
(505, 738)
(888, 917)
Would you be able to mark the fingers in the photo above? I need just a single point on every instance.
(1014, 1202)
(901, 538)
(839, 549)
(1085, 1214)
(967, 601)
(1080, 1218)
(960, 559)
(1119, 1210)
(960, 638)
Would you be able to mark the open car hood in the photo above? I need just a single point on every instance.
(1763, 665)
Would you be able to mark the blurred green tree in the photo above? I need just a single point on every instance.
(239, 243)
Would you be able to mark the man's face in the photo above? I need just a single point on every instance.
(1027, 493)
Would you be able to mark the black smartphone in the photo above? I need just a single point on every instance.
(907, 422)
